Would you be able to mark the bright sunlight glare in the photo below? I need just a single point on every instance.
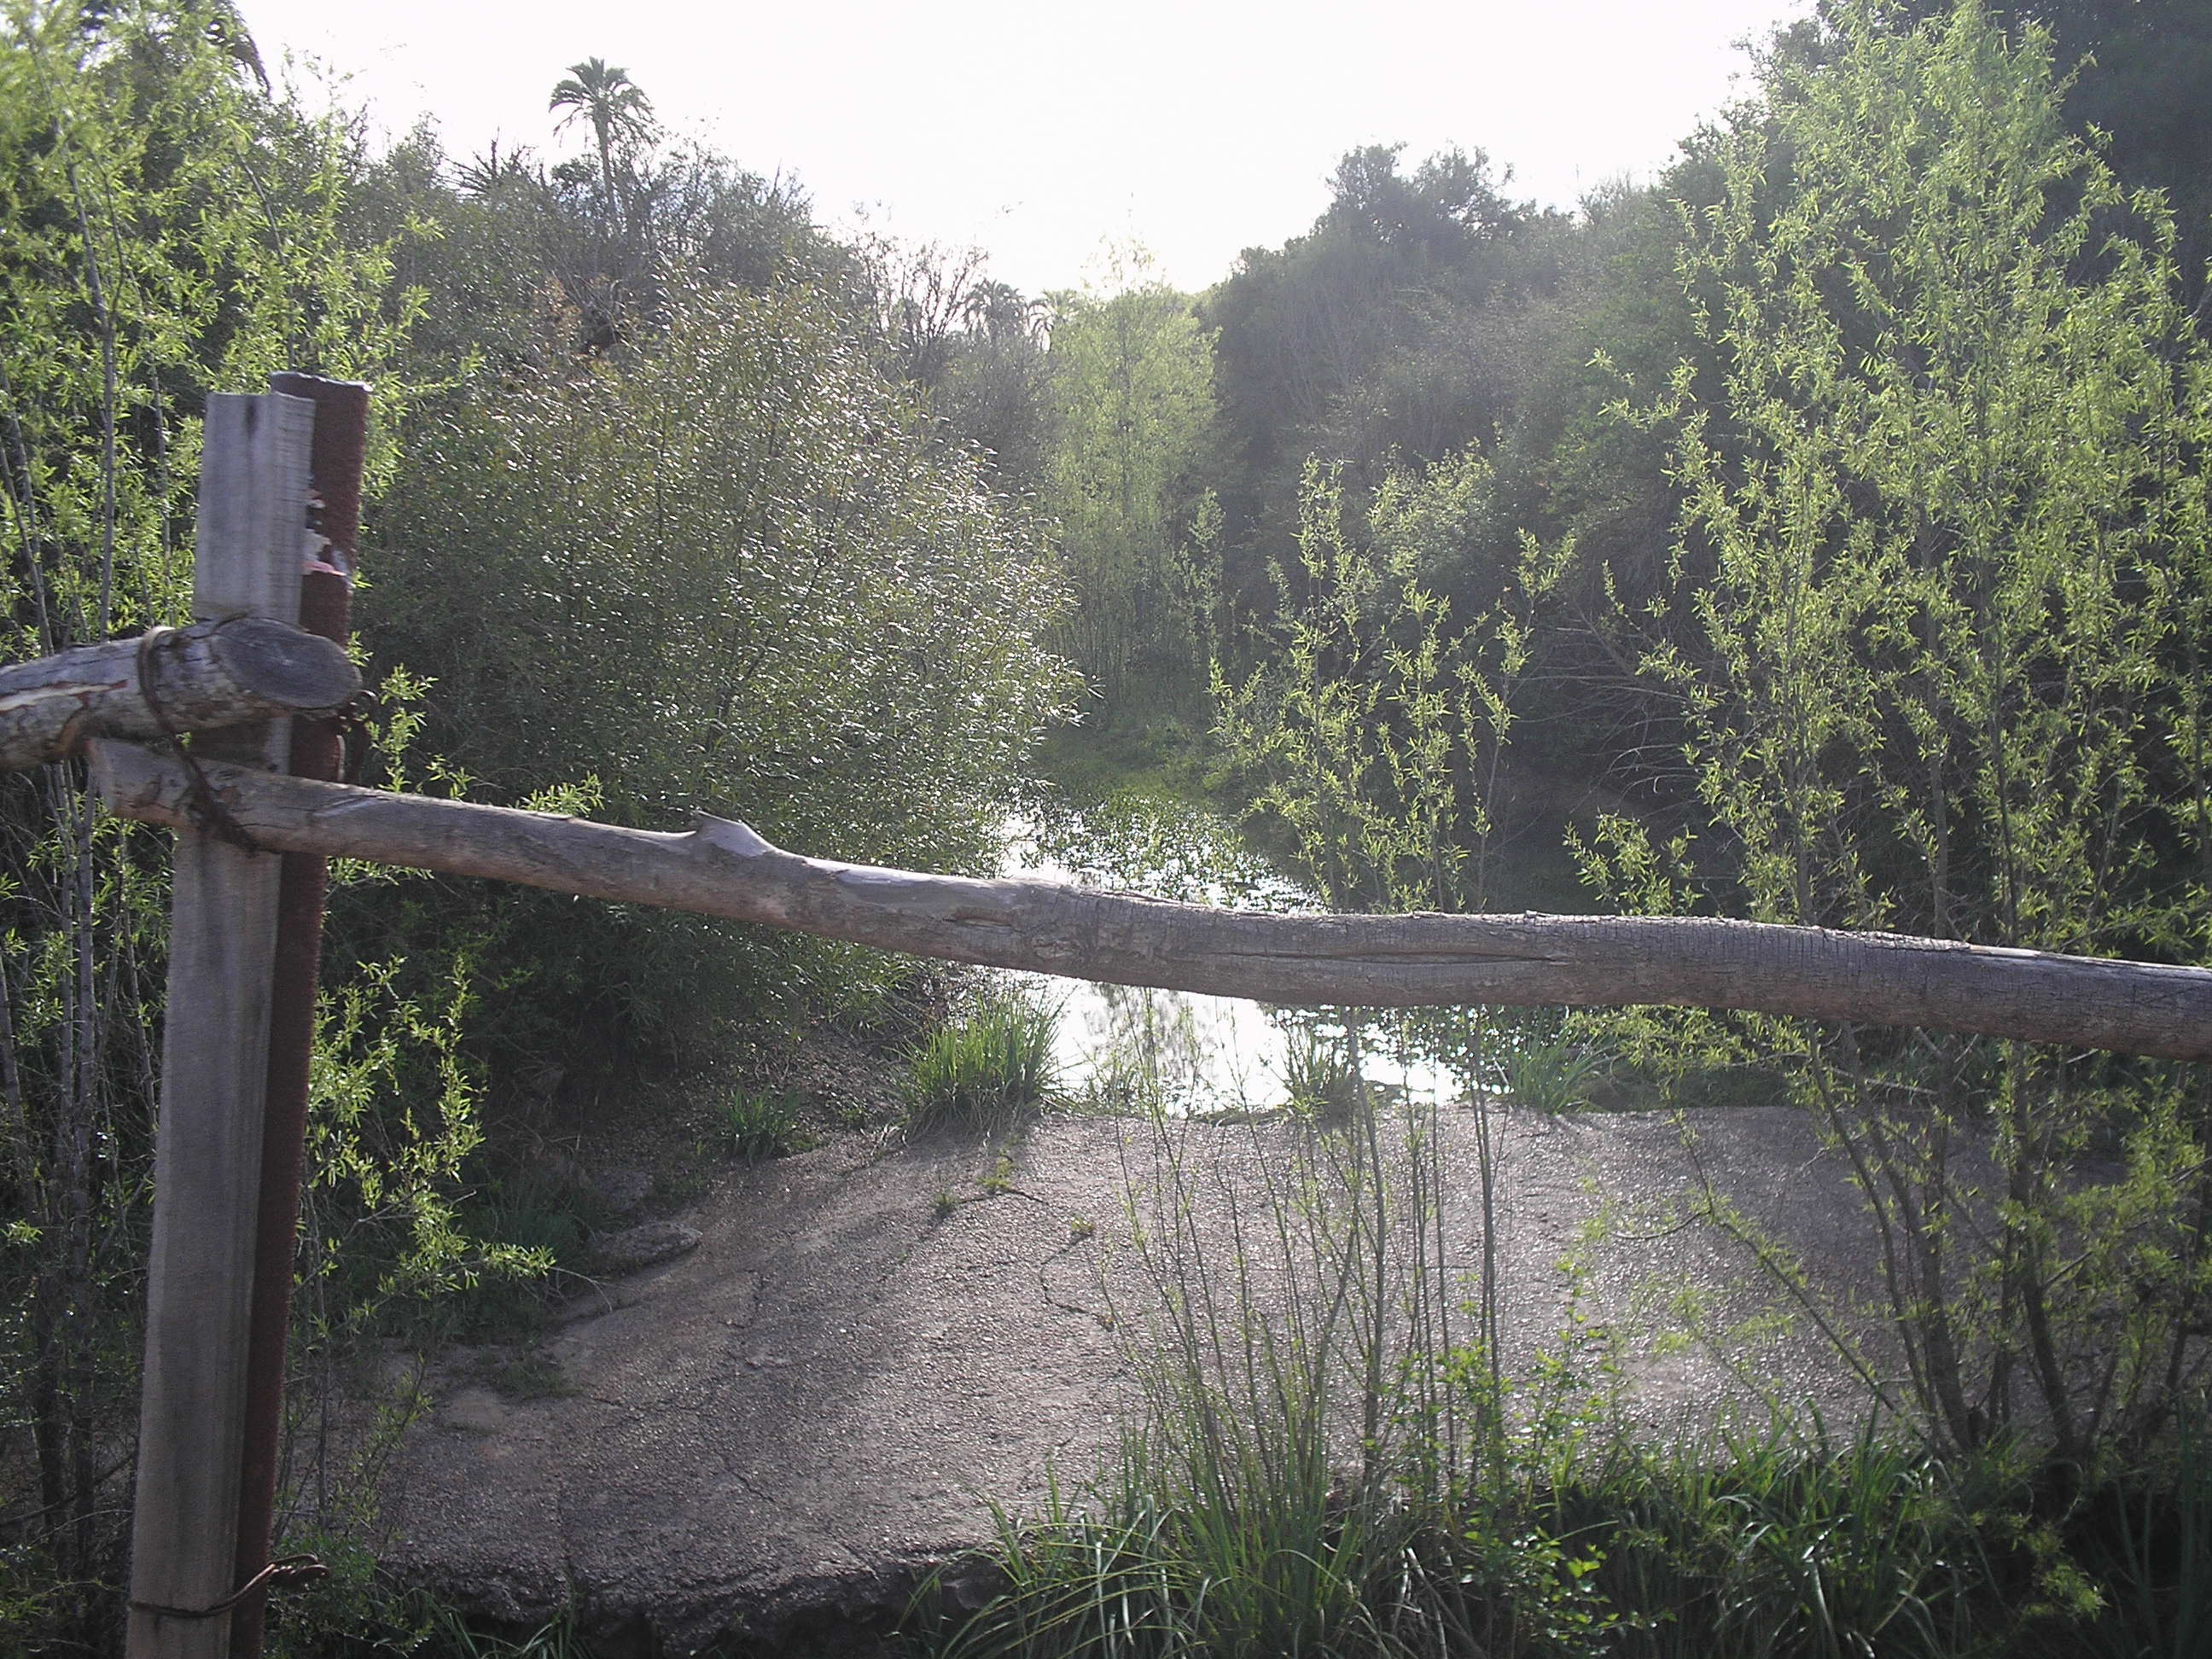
(1038, 131)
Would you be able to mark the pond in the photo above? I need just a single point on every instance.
(1193, 1054)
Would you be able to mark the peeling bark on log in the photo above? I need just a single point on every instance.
(208, 676)
(724, 869)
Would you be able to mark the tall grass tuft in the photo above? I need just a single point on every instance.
(1321, 1076)
(2152, 1542)
(1548, 1067)
(1279, 1491)
(987, 1068)
(760, 1123)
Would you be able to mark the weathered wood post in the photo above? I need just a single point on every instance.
(215, 1058)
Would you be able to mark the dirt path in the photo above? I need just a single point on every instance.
(775, 1434)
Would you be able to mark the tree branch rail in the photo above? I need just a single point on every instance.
(721, 868)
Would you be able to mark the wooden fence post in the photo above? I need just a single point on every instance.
(215, 1058)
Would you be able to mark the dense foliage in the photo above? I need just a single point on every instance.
(1130, 381)
(1930, 404)
(1819, 534)
(169, 232)
(751, 584)
(1941, 587)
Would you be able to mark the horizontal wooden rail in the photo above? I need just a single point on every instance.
(724, 869)
(211, 675)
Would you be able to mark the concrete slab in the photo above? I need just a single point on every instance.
(780, 1431)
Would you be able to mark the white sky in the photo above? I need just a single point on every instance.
(1035, 131)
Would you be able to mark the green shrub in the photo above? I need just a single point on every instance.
(354, 1612)
(727, 570)
(1942, 581)
(985, 1068)
(528, 1236)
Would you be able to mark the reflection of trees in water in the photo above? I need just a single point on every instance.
(1131, 1047)
(1180, 1052)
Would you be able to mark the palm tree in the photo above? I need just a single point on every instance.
(998, 309)
(615, 105)
(492, 174)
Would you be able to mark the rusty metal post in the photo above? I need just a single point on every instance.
(326, 592)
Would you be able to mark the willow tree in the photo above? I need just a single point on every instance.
(1943, 587)
(1130, 399)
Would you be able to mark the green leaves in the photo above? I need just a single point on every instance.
(1370, 733)
(1941, 592)
(1130, 380)
(729, 573)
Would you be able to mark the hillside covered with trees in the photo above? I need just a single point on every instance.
(1815, 533)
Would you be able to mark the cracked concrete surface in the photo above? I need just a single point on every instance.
(779, 1432)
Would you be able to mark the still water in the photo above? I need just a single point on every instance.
(1196, 1055)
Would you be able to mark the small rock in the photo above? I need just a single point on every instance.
(622, 1190)
(644, 1245)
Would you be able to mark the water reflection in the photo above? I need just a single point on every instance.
(1194, 1055)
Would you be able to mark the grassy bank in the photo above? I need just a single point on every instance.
(1777, 1541)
